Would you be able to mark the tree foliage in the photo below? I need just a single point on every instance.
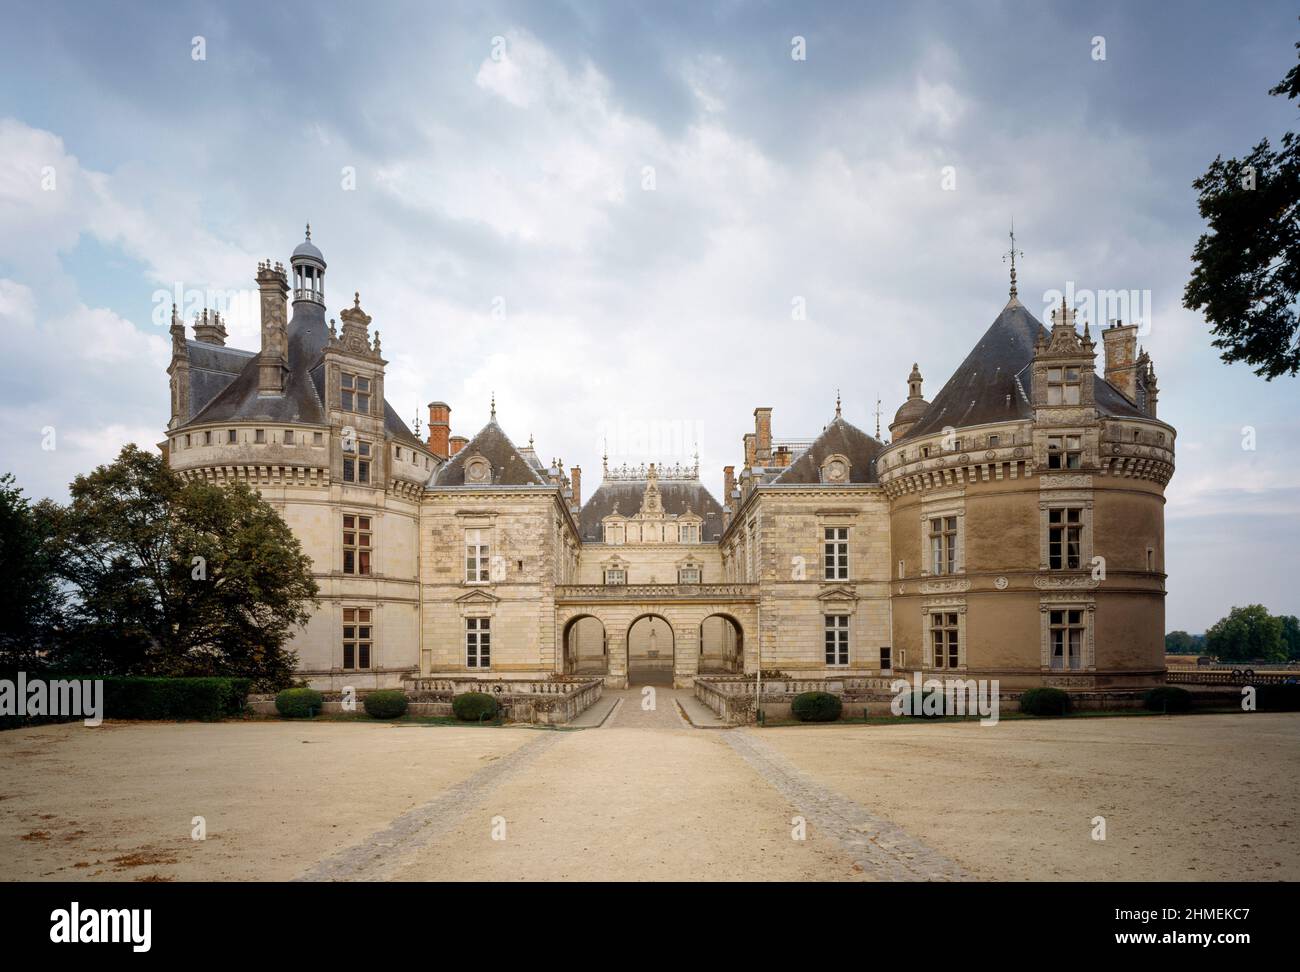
(1182, 643)
(29, 594)
(1246, 274)
(1247, 634)
(178, 578)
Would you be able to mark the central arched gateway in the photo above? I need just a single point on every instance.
(651, 651)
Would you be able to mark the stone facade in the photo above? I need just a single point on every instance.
(1013, 528)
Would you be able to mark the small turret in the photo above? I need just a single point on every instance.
(910, 410)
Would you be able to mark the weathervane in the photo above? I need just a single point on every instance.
(1012, 254)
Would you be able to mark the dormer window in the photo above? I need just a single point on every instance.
(688, 533)
(356, 393)
(1064, 452)
(1063, 386)
(356, 467)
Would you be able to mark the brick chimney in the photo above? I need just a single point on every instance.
(273, 361)
(749, 450)
(728, 484)
(575, 480)
(763, 434)
(1120, 341)
(210, 329)
(439, 428)
(456, 443)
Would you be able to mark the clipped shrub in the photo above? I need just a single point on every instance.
(474, 706)
(299, 703)
(1168, 698)
(1045, 702)
(207, 699)
(816, 707)
(386, 704)
(1277, 698)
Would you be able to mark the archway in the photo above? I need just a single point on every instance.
(586, 649)
(651, 651)
(722, 645)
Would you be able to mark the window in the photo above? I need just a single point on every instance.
(356, 393)
(478, 642)
(688, 533)
(943, 635)
(994, 440)
(925, 452)
(615, 575)
(835, 553)
(886, 658)
(1063, 386)
(688, 575)
(288, 436)
(230, 436)
(1151, 559)
(356, 544)
(398, 453)
(956, 444)
(613, 533)
(837, 639)
(318, 438)
(1065, 538)
(207, 438)
(1066, 630)
(943, 545)
(1064, 452)
(187, 441)
(259, 436)
(356, 469)
(356, 638)
(476, 557)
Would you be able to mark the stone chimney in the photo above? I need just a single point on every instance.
(273, 361)
(210, 329)
(750, 453)
(575, 480)
(439, 428)
(179, 372)
(1120, 341)
(456, 443)
(763, 435)
(728, 484)
(782, 456)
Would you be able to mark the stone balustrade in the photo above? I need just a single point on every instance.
(656, 592)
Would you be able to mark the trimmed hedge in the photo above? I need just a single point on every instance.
(816, 707)
(1045, 702)
(474, 706)
(299, 703)
(386, 704)
(206, 699)
(1168, 698)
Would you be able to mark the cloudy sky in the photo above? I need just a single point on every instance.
(605, 214)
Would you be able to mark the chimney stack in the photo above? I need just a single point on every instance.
(439, 428)
(273, 360)
(456, 443)
(210, 329)
(728, 484)
(575, 480)
(1120, 341)
(750, 453)
(763, 435)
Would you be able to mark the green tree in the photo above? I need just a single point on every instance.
(29, 585)
(179, 578)
(1247, 634)
(1180, 643)
(1246, 273)
(1290, 636)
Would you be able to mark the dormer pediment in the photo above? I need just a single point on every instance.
(477, 597)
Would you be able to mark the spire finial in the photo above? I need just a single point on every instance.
(837, 403)
(877, 415)
(1012, 254)
(494, 406)
(309, 231)
(356, 299)
(604, 459)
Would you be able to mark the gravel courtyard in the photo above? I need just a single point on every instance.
(647, 797)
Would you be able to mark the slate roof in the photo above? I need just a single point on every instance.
(677, 495)
(509, 467)
(212, 368)
(993, 383)
(842, 438)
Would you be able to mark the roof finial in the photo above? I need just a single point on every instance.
(1012, 254)
(604, 459)
(877, 415)
(837, 403)
(494, 406)
(309, 231)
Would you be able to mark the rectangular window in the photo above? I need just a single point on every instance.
(688, 575)
(259, 436)
(615, 575)
(688, 533)
(613, 533)
(943, 637)
(837, 639)
(1067, 639)
(478, 642)
(318, 438)
(356, 467)
(886, 658)
(943, 545)
(1063, 386)
(835, 553)
(994, 440)
(187, 441)
(1065, 538)
(356, 638)
(1064, 452)
(288, 436)
(476, 557)
(231, 437)
(207, 438)
(355, 393)
(356, 544)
